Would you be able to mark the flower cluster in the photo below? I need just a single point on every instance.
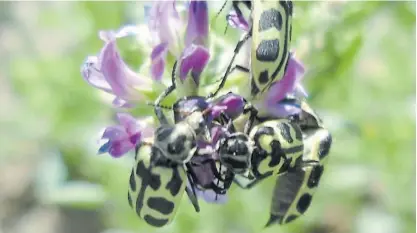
(184, 36)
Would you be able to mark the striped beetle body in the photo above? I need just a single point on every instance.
(293, 191)
(156, 186)
(159, 179)
(270, 36)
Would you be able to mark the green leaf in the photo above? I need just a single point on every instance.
(78, 194)
(51, 173)
(349, 55)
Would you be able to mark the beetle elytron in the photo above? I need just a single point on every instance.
(270, 34)
(293, 191)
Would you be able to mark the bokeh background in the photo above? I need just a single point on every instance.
(360, 60)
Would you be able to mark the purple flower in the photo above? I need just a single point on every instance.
(124, 137)
(184, 39)
(231, 104)
(109, 72)
(289, 85)
(165, 24)
(197, 28)
(237, 21)
(158, 56)
(194, 59)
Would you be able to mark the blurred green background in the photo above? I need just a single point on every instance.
(360, 60)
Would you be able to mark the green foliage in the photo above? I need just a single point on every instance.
(360, 63)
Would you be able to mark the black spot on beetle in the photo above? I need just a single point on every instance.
(324, 146)
(277, 153)
(270, 18)
(285, 132)
(315, 175)
(132, 182)
(148, 180)
(161, 205)
(258, 155)
(263, 77)
(154, 221)
(268, 50)
(147, 177)
(175, 183)
(304, 203)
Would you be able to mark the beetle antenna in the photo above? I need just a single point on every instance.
(218, 13)
(158, 105)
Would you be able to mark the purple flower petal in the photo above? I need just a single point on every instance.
(283, 108)
(124, 137)
(234, 105)
(194, 59)
(165, 24)
(237, 21)
(129, 123)
(135, 139)
(109, 72)
(197, 28)
(121, 103)
(146, 128)
(210, 196)
(288, 83)
(116, 132)
(158, 57)
(119, 148)
(216, 111)
(117, 73)
(92, 74)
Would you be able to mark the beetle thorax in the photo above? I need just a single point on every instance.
(177, 142)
